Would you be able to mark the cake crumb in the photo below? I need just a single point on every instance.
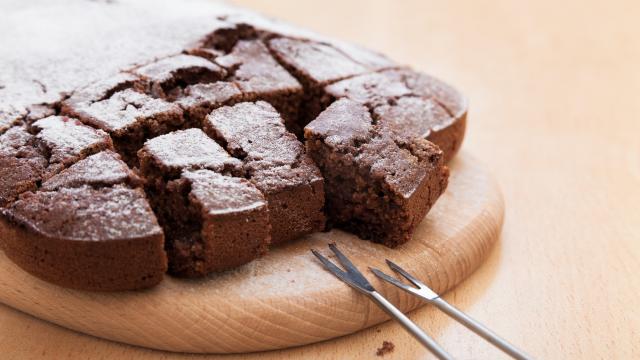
(387, 347)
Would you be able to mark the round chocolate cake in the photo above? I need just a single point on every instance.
(192, 140)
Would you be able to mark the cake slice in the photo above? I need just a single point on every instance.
(276, 163)
(213, 221)
(103, 239)
(377, 185)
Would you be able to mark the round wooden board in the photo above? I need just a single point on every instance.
(286, 298)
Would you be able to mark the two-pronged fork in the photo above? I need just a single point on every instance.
(354, 278)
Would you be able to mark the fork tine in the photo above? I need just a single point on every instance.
(392, 280)
(348, 265)
(421, 289)
(328, 264)
(395, 267)
(352, 270)
(342, 275)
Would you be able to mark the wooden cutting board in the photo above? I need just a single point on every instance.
(286, 298)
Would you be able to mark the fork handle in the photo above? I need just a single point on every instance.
(479, 329)
(410, 326)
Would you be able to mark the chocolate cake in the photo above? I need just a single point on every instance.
(276, 163)
(195, 137)
(212, 220)
(378, 185)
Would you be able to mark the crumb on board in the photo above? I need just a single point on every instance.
(387, 347)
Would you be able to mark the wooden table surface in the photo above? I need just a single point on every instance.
(555, 113)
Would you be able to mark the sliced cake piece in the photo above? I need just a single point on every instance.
(377, 185)
(276, 163)
(130, 117)
(166, 77)
(213, 222)
(408, 103)
(91, 239)
(103, 169)
(191, 204)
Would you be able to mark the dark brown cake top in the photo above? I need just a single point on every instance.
(344, 123)
(127, 109)
(87, 214)
(102, 169)
(254, 132)
(187, 149)
(317, 62)
(67, 140)
(254, 69)
(219, 194)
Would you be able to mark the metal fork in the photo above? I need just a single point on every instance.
(354, 278)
